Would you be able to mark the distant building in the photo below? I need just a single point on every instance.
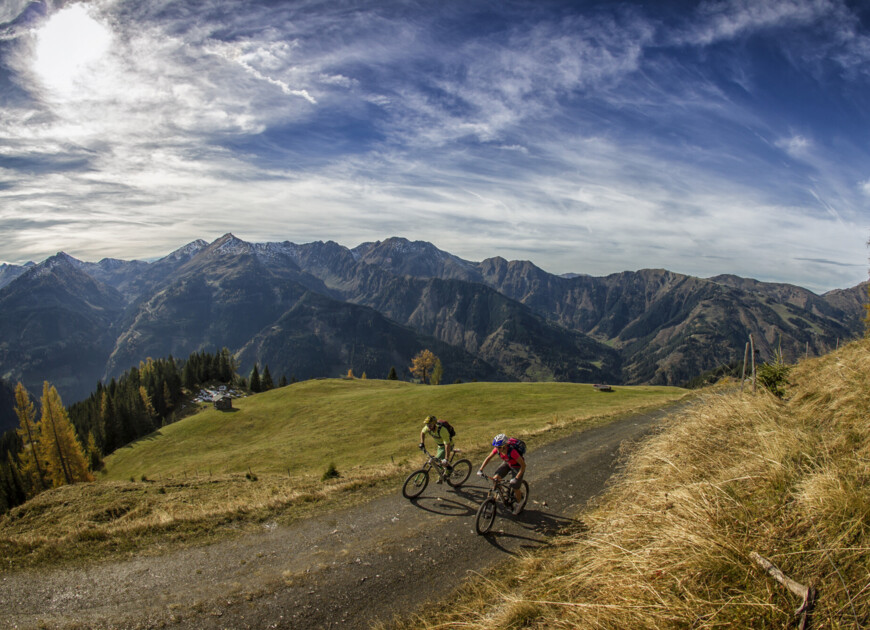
(223, 403)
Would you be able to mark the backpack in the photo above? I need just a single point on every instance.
(518, 445)
(446, 425)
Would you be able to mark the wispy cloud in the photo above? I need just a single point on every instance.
(590, 140)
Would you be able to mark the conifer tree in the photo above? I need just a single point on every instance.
(255, 384)
(437, 372)
(283, 381)
(95, 458)
(12, 491)
(59, 447)
(31, 469)
(392, 376)
(266, 382)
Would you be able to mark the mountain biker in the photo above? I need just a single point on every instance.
(441, 435)
(514, 463)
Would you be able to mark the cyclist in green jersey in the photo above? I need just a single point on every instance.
(442, 438)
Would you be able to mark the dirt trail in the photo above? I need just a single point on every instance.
(345, 569)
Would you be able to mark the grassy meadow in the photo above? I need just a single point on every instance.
(220, 473)
(360, 424)
(670, 544)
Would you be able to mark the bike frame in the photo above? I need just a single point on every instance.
(500, 490)
(434, 462)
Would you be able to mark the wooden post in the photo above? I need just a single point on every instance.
(752, 352)
(745, 361)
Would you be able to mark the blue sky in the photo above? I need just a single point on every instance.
(728, 136)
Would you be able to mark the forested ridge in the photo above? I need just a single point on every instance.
(140, 401)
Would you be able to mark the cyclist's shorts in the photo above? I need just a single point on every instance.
(504, 469)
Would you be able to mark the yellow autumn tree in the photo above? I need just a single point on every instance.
(422, 365)
(58, 445)
(31, 469)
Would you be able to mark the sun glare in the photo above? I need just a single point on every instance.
(67, 46)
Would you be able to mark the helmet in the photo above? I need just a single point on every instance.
(499, 439)
(431, 419)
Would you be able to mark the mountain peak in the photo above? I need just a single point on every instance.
(230, 244)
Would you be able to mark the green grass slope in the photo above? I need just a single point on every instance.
(220, 474)
(300, 429)
(673, 543)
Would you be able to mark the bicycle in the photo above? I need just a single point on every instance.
(419, 479)
(500, 492)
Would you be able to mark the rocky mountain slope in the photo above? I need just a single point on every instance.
(319, 309)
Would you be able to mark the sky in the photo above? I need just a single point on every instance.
(722, 136)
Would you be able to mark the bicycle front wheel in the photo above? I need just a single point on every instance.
(459, 474)
(485, 516)
(415, 484)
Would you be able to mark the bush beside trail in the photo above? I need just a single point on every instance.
(670, 544)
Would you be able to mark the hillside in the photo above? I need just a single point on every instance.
(299, 429)
(670, 544)
(220, 474)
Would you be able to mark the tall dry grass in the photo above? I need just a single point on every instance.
(116, 518)
(668, 546)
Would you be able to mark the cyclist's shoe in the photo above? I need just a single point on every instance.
(440, 479)
(517, 507)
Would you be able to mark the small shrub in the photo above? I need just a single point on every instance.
(774, 376)
(250, 476)
(331, 473)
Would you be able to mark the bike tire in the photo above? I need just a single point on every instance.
(459, 474)
(524, 486)
(415, 484)
(485, 516)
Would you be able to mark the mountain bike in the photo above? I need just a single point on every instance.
(502, 493)
(455, 476)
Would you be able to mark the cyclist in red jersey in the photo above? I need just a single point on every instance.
(513, 463)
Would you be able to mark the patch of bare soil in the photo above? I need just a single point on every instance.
(346, 569)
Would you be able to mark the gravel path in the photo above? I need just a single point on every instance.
(345, 569)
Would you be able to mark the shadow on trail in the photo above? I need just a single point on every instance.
(533, 521)
(495, 537)
(442, 506)
(548, 524)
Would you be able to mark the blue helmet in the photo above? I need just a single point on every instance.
(499, 439)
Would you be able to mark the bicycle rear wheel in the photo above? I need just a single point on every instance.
(459, 474)
(485, 516)
(415, 484)
(521, 505)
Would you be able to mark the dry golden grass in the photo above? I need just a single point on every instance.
(117, 518)
(669, 544)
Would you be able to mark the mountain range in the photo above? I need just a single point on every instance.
(319, 309)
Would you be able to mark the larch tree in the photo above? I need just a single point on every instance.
(59, 447)
(422, 365)
(437, 372)
(31, 469)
